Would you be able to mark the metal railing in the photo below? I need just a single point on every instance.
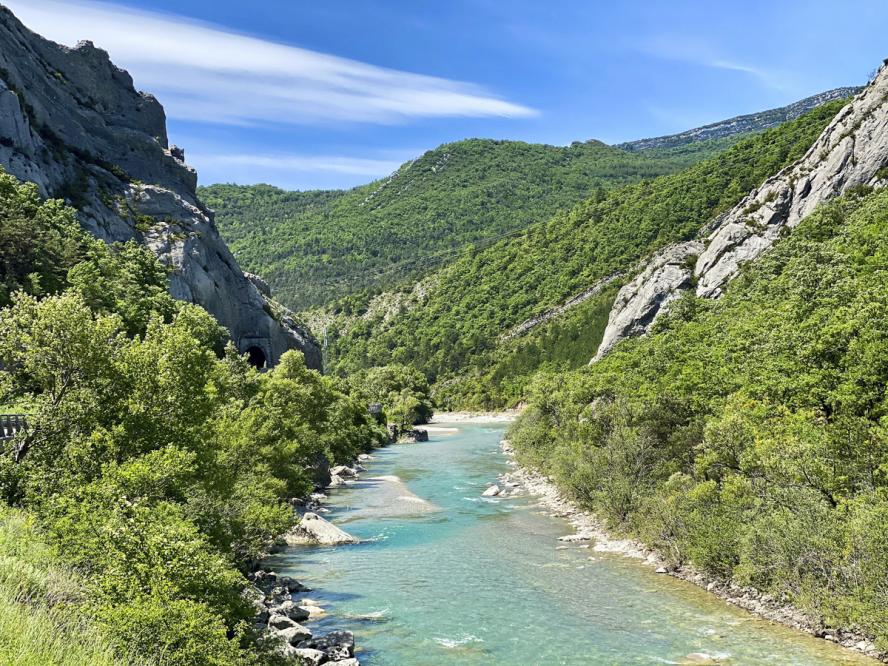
(12, 424)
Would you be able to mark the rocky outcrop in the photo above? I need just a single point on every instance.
(642, 300)
(851, 152)
(313, 529)
(753, 122)
(72, 122)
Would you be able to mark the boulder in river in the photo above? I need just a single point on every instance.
(338, 645)
(309, 656)
(294, 635)
(290, 609)
(314, 529)
(415, 435)
(344, 471)
(492, 491)
(280, 622)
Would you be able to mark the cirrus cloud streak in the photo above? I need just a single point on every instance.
(207, 74)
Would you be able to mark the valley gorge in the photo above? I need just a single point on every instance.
(514, 403)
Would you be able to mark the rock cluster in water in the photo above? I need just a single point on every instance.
(279, 611)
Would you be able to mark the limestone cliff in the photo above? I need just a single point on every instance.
(73, 123)
(852, 151)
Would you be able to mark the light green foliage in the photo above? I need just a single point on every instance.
(453, 334)
(314, 247)
(41, 622)
(158, 463)
(126, 279)
(749, 435)
(402, 391)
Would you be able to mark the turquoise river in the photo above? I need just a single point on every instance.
(443, 576)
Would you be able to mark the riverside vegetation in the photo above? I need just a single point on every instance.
(158, 466)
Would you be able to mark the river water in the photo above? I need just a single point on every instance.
(443, 576)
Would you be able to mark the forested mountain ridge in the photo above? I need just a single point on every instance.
(852, 153)
(314, 247)
(451, 328)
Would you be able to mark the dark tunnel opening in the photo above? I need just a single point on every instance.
(256, 357)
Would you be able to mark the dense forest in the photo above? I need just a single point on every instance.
(314, 247)
(747, 435)
(158, 466)
(451, 328)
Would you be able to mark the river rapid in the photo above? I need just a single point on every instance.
(444, 576)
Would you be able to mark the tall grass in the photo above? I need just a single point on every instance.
(40, 624)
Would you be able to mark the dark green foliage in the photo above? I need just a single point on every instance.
(748, 435)
(39, 240)
(314, 247)
(454, 330)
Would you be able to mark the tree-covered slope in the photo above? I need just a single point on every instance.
(747, 435)
(453, 326)
(316, 246)
(157, 466)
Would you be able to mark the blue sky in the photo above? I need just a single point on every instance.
(320, 94)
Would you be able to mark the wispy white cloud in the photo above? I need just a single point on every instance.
(697, 52)
(204, 73)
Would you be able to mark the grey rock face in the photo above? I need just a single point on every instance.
(72, 122)
(641, 301)
(852, 151)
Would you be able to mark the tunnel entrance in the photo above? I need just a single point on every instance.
(256, 357)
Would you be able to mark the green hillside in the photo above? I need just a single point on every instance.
(314, 247)
(455, 335)
(747, 435)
